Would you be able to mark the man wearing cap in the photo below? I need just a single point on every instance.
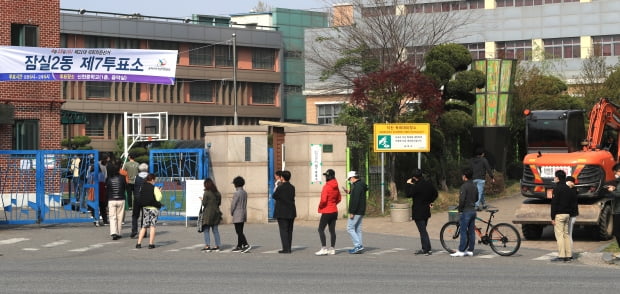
(423, 194)
(357, 209)
(328, 208)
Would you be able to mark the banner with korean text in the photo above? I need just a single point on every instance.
(87, 64)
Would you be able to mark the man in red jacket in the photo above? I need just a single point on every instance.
(328, 208)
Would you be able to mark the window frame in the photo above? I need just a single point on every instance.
(29, 137)
(199, 92)
(328, 118)
(261, 95)
(95, 126)
(263, 58)
(98, 87)
(20, 35)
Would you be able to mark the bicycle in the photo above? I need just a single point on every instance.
(503, 238)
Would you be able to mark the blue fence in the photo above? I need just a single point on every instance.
(172, 168)
(48, 186)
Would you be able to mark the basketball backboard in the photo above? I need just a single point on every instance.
(144, 127)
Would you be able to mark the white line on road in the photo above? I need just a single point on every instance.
(56, 243)
(13, 241)
(94, 246)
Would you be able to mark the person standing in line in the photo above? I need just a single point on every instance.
(239, 212)
(423, 194)
(480, 167)
(570, 182)
(467, 210)
(285, 211)
(211, 215)
(137, 207)
(357, 209)
(116, 187)
(328, 208)
(150, 197)
(562, 203)
(103, 194)
(614, 188)
(75, 174)
(131, 168)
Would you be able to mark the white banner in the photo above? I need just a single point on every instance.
(316, 161)
(87, 64)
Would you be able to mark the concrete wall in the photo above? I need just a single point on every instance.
(228, 158)
(298, 140)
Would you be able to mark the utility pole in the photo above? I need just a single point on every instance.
(234, 45)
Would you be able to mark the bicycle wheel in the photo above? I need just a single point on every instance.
(504, 239)
(449, 236)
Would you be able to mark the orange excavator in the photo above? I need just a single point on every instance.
(555, 142)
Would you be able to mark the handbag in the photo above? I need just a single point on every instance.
(199, 221)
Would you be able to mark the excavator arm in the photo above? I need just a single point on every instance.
(604, 113)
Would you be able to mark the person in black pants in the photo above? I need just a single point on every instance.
(239, 213)
(137, 207)
(285, 211)
(423, 194)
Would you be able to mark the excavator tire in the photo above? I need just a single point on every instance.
(532, 232)
(605, 228)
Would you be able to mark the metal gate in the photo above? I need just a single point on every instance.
(173, 167)
(49, 186)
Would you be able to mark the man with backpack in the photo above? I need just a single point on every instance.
(137, 207)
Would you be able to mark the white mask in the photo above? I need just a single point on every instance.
(617, 176)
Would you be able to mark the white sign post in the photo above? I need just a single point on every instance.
(193, 194)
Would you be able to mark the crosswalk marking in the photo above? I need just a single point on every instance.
(13, 241)
(393, 250)
(196, 247)
(93, 246)
(56, 243)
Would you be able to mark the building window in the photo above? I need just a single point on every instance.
(327, 113)
(477, 50)
(562, 48)
(263, 58)
(201, 54)
(95, 123)
(98, 90)
(24, 35)
(521, 50)
(201, 91)
(292, 89)
(26, 134)
(416, 55)
(124, 43)
(97, 42)
(163, 45)
(223, 56)
(264, 93)
(606, 45)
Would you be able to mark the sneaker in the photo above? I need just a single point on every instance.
(138, 246)
(419, 252)
(458, 254)
(151, 246)
(246, 248)
(133, 235)
(331, 251)
(469, 253)
(428, 253)
(237, 249)
(356, 250)
(206, 249)
(215, 249)
(323, 251)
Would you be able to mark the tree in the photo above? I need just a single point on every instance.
(77, 142)
(261, 7)
(387, 94)
(388, 32)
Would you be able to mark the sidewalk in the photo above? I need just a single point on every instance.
(507, 207)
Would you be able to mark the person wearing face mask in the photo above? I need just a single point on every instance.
(423, 194)
(328, 208)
